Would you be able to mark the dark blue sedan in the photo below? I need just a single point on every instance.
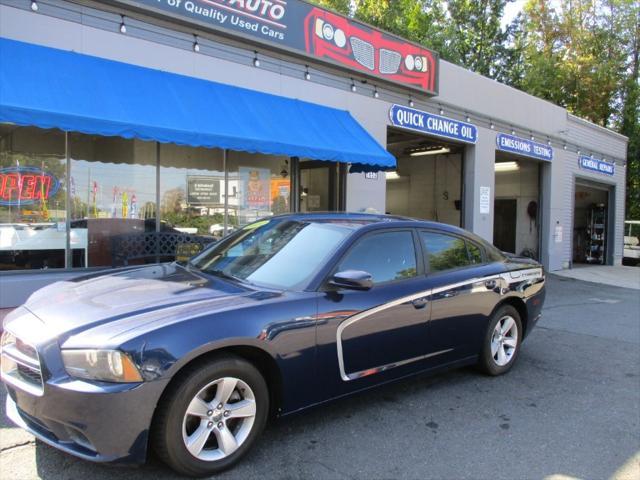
(286, 313)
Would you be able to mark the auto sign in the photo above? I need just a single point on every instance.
(297, 26)
(26, 185)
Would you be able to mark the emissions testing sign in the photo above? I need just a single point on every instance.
(431, 124)
(522, 146)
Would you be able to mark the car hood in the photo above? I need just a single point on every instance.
(92, 300)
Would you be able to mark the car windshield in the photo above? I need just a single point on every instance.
(278, 253)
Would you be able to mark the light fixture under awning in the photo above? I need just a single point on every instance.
(50, 88)
(507, 166)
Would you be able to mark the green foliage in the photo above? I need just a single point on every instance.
(475, 35)
(450, 258)
(340, 6)
(579, 54)
(193, 220)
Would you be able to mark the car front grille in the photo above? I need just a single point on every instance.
(20, 364)
(363, 52)
(389, 61)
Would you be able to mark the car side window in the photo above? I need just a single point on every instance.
(445, 252)
(475, 255)
(387, 256)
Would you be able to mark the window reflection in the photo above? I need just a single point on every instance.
(444, 252)
(192, 190)
(386, 256)
(32, 199)
(474, 253)
(263, 186)
(276, 253)
(111, 200)
(113, 192)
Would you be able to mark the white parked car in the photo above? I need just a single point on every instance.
(631, 254)
(217, 229)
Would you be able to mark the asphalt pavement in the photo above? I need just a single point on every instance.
(570, 408)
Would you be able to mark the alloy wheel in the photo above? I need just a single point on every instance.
(504, 340)
(219, 419)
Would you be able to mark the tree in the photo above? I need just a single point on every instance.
(629, 120)
(172, 200)
(475, 38)
(584, 57)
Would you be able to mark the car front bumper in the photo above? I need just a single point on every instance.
(98, 423)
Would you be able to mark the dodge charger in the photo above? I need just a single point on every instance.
(191, 359)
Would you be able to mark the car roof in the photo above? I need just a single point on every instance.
(371, 220)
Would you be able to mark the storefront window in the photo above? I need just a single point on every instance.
(32, 198)
(192, 190)
(262, 184)
(111, 200)
(113, 193)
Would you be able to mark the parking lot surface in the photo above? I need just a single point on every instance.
(570, 408)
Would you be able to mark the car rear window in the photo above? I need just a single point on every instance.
(447, 252)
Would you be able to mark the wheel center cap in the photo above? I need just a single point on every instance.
(217, 416)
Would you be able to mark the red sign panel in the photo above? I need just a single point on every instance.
(362, 48)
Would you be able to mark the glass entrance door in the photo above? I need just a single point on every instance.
(322, 186)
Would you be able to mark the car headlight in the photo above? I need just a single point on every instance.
(339, 38)
(103, 365)
(416, 62)
(327, 32)
(409, 62)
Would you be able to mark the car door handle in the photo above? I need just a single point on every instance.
(449, 294)
(420, 303)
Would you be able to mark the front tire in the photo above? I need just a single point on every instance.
(210, 416)
(502, 341)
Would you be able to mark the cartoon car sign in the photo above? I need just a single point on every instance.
(362, 48)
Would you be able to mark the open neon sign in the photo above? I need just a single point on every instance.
(26, 185)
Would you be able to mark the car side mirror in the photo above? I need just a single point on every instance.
(352, 280)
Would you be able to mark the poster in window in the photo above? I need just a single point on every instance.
(256, 188)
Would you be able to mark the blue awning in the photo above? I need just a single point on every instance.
(50, 88)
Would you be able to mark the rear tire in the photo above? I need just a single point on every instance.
(210, 416)
(502, 341)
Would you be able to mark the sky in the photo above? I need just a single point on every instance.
(511, 10)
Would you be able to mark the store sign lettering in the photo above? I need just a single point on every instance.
(438, 125)
(595, 165)
(314, 32)
(203, 190)
(26, 185)
(522, 146)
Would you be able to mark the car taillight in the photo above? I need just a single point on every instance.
(327, 32)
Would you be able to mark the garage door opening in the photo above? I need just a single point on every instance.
(516, 219)
(591, 217)
(427, 182)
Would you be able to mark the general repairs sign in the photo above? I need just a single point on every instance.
(431, 124)
(312, 31)
(595, 165)
(522, 146)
